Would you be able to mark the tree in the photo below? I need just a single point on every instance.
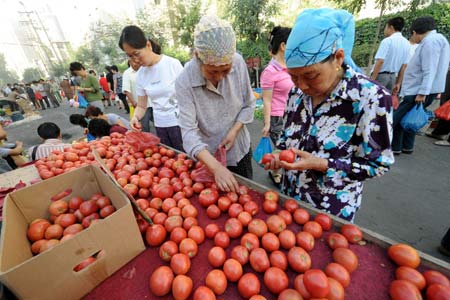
(59, 70)
(31, 74)
(188, 15)
(6, 75)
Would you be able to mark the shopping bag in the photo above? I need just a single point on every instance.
(82, 101)
(415, 119)
(263, 147)
(141, 140)
(203, 174)
(395, 102)
(443, 112)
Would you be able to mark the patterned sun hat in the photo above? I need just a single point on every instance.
(214, 41)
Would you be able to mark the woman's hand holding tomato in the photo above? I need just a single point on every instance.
(225, 179)
(135, 124)
(307, 161)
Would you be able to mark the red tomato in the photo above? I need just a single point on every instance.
(213, 212)
(207, 197)
(287, 217)
(188, 191)
(251, 207)
(235, 209)
(435, 277)
(271, 196)
(259, 260)
(48, 245)
(305, 240)
(249, 285)
(198, 187)
(182, 287)
(211, 230)
(159, 218)
(233, 227)
(290, 294)
(222, 239)
(240, 253)
(244, 199)
(278, 259)
(336, 290)
(404, 255)
(336, 240)
(324, 221)
(269, 206)
(65, 220)
(36, 231)
(339, 273)
(245, 218)
(258, 227)
(250, 241)
(346, 258)
(352, 233)
(232, 269)
(301, 216)
(155, 235)
(224, 203)
(275, 280)
(287, 239)
(36, 246)
(257, 297)
(314, 228)
(270, 242)
(291, 205)
(167, 250)
(197, 234)
(216, 281)
(316, 282)
(143, 203)
(243, 190)
(74, 202)
(178, 234)
(162, 191)
(204, 293)
(300, 287)
(59, 207)
(180, 263)
(275, 224)
(267, 158)
(183, 202)
(189, 222)
(161, 281)
(54, 231)
(174, 211)
(438, 292)
(173, 222)
(189, 247)
(216, 257)
(287, 156)
(189, 211)
(299, 259)
(84, 264)
(73, 229)
(411, 275)
(404, 290)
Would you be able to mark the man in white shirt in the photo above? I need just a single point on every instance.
(129, 84)
(392, 55)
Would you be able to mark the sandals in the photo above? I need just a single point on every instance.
(442, 143)
(276, 179)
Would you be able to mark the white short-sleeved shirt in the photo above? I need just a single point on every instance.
(129, 84)
(394, 50)
(158, 83)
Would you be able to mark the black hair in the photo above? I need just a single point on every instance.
(48, 130)
(135, 37)
(93, 111)
(108, 68)
(278, 35)
(76, 66)
(99, 128)
(92, 72)
(423, 24)
(114, 68)
(398, 23)
(78, 119)
(102, 75)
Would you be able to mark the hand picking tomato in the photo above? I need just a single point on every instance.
(267, 158)
(287, 156)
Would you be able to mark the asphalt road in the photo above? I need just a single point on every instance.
(410, 204)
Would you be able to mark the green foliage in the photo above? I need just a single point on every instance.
(59, 70)
(6, 75)
(249, 48)
(180, 54)
(259, 113)
(188, 15)
(31, 74)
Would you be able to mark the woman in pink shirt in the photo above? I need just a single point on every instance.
(276, 84)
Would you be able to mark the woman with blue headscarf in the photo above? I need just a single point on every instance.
(337, 121)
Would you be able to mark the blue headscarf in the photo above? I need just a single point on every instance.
(318, 33)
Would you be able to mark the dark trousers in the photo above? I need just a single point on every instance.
(45, 99)
(402, 139)
(170, 136)
(123, 98)
(445, 242)
(145, 121)
(244, 166)
(53, 100)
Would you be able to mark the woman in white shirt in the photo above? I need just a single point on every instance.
(155, 80)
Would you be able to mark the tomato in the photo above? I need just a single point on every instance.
(275, 224)
(211, 230)
(74, 202)
(65, 220)
(234, 228)
(167, 204)
(197, 234)
(299, 259)
(234, 210)
(336, 290)
(278, 259)
(287, 239)
(305, 240)
(249, 285)
(222, 239)
(198, 187)
(233, 197)
(287, 156)
(84, 264)
(269, 206)
(438, 292)
(188, 191)
(352, 233)
(267, 158)
(290, 205)
(404, 290)
(174, 211)
(287, 217)
(404, 255)
(143, 203)
(411, 275)
(314, 228)
(161, 281)
(258, 227)
(36, 246)
(346, 258)
(162, 191)
(232, 269)
(178, 234)
(73, 229)
(270, 242)
(275, 280)
(290, 294)
(244, 199)
(36, 231)
(240, 253)
(316, 282)
(155, 235)
(301, 216)
(339, 273)
(189, 222)
(59, 207)
(159, 218)
(189, 211)
(257, 297)
(435, 277)
(250, 241)
(167, 250)
(300, 287)
(88, 207)
(259, 260)
(224, 203)
(180, 263)
(216, 281)
(324, 220)
(189, 247)
(216, 257)
(182, 287)
(336, 240)
(243, 190)
(183, 202)
(245, 218)
(207, 197)
(251, 207)
(271, 196)
(213, 212)
(204, 293)
(54, 231)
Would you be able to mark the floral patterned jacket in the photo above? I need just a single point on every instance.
(352, 129)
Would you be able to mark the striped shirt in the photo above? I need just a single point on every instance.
(47, 147)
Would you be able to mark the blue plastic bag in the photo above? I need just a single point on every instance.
(263, 147)
(82, 101)
(415, 119)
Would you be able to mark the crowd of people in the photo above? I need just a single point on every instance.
(339, 122)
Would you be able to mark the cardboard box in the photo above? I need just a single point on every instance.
(50, 275)
(25, 174)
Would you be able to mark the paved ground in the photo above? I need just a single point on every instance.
(410, 204)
